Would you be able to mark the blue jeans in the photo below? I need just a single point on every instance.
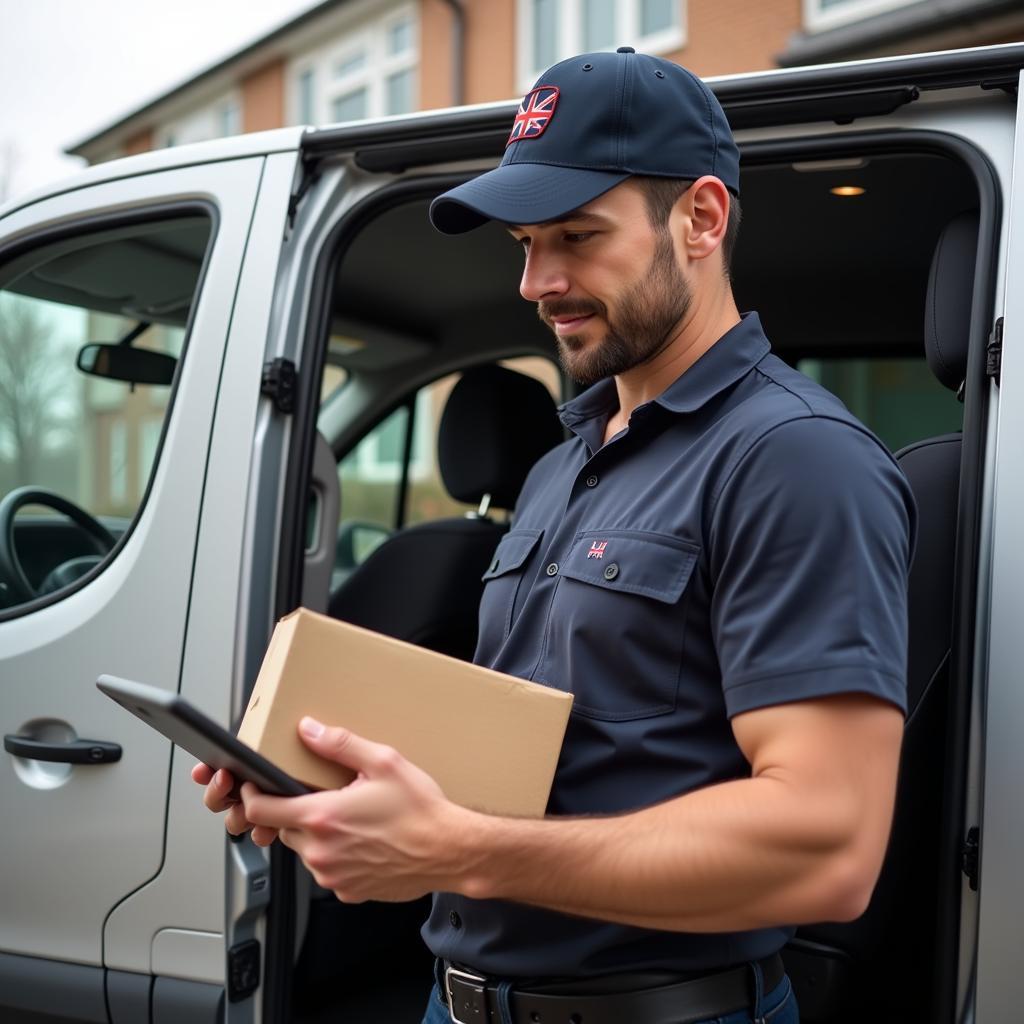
(777, 1007)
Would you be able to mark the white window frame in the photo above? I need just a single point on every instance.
(819, 19)
(371, 37)
(570, 34)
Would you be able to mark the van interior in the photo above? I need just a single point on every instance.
(861, 262)
(861, 266)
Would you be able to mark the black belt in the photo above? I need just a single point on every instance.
(472, 999)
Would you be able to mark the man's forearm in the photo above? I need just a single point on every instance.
(740, 855)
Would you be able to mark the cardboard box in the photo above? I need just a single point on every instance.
(490, 740)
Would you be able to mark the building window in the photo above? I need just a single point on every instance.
(349, 107)
(118, 464)
(656, 16)
(551, 30)
(821, 15)
(598, 25)
(399, 92)
(400, 39)
(229, 118)
(307, 94)
(368, 71)
(544, 37)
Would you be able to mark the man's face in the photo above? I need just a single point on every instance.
(606, 282)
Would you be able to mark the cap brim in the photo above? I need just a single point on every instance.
(519, 194)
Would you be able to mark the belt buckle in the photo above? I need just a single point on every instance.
(476, 982)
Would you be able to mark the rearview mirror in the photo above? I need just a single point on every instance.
(122, 362)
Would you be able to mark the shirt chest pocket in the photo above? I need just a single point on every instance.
(616, 633)
(501, 587)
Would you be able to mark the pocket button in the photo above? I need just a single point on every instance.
(611, 571)
(552, 569)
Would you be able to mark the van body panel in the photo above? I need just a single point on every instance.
(131, 617)
(215, 151)
(188, 953)
(1000, 984)
(181, 898)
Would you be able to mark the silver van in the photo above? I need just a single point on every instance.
(245, 375)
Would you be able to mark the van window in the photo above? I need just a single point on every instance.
(91, 331)
(899, 399)
(391, 478)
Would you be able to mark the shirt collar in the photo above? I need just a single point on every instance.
(734, 354)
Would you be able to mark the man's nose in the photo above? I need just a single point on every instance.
(543, 277)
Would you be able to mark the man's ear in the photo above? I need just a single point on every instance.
(703, 212)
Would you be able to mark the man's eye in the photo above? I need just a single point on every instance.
(577, 236)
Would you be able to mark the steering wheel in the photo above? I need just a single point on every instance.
(10, 567)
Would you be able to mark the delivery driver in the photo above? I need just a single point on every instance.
(716, 566)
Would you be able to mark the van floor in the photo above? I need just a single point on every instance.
(387, 1006)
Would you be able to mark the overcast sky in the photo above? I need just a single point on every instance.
(70, 67)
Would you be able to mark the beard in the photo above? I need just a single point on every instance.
(646, 313)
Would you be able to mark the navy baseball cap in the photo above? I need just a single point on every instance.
(589, 123)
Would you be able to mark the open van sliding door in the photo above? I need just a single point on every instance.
(999, 981)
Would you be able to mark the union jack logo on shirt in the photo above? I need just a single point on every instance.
(597, 549)
(535, 112)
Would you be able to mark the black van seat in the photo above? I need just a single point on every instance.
(880, 967)
(423, 584)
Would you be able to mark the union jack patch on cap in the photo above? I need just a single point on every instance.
(535, 113)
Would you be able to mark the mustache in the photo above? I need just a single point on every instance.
(547, 311)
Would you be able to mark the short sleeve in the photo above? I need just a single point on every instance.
(810, 544)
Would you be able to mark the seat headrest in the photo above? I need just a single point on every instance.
(496, 424)
(947, 318)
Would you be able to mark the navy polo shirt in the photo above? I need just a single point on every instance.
(744, 542)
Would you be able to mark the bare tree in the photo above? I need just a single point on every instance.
(29, 384)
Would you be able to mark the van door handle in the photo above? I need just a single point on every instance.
(73, 752)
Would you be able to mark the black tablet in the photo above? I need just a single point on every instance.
(202, 737)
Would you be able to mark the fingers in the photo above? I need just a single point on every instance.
(235, 820)
(263, 836)
(346, 748)
(274, 812)
(219, 796)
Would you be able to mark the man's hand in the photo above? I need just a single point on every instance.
(388, 835)
(219, 796)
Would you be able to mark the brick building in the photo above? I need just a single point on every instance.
(347, 59)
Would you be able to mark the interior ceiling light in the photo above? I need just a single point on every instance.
(814, 166)
(847, 190)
